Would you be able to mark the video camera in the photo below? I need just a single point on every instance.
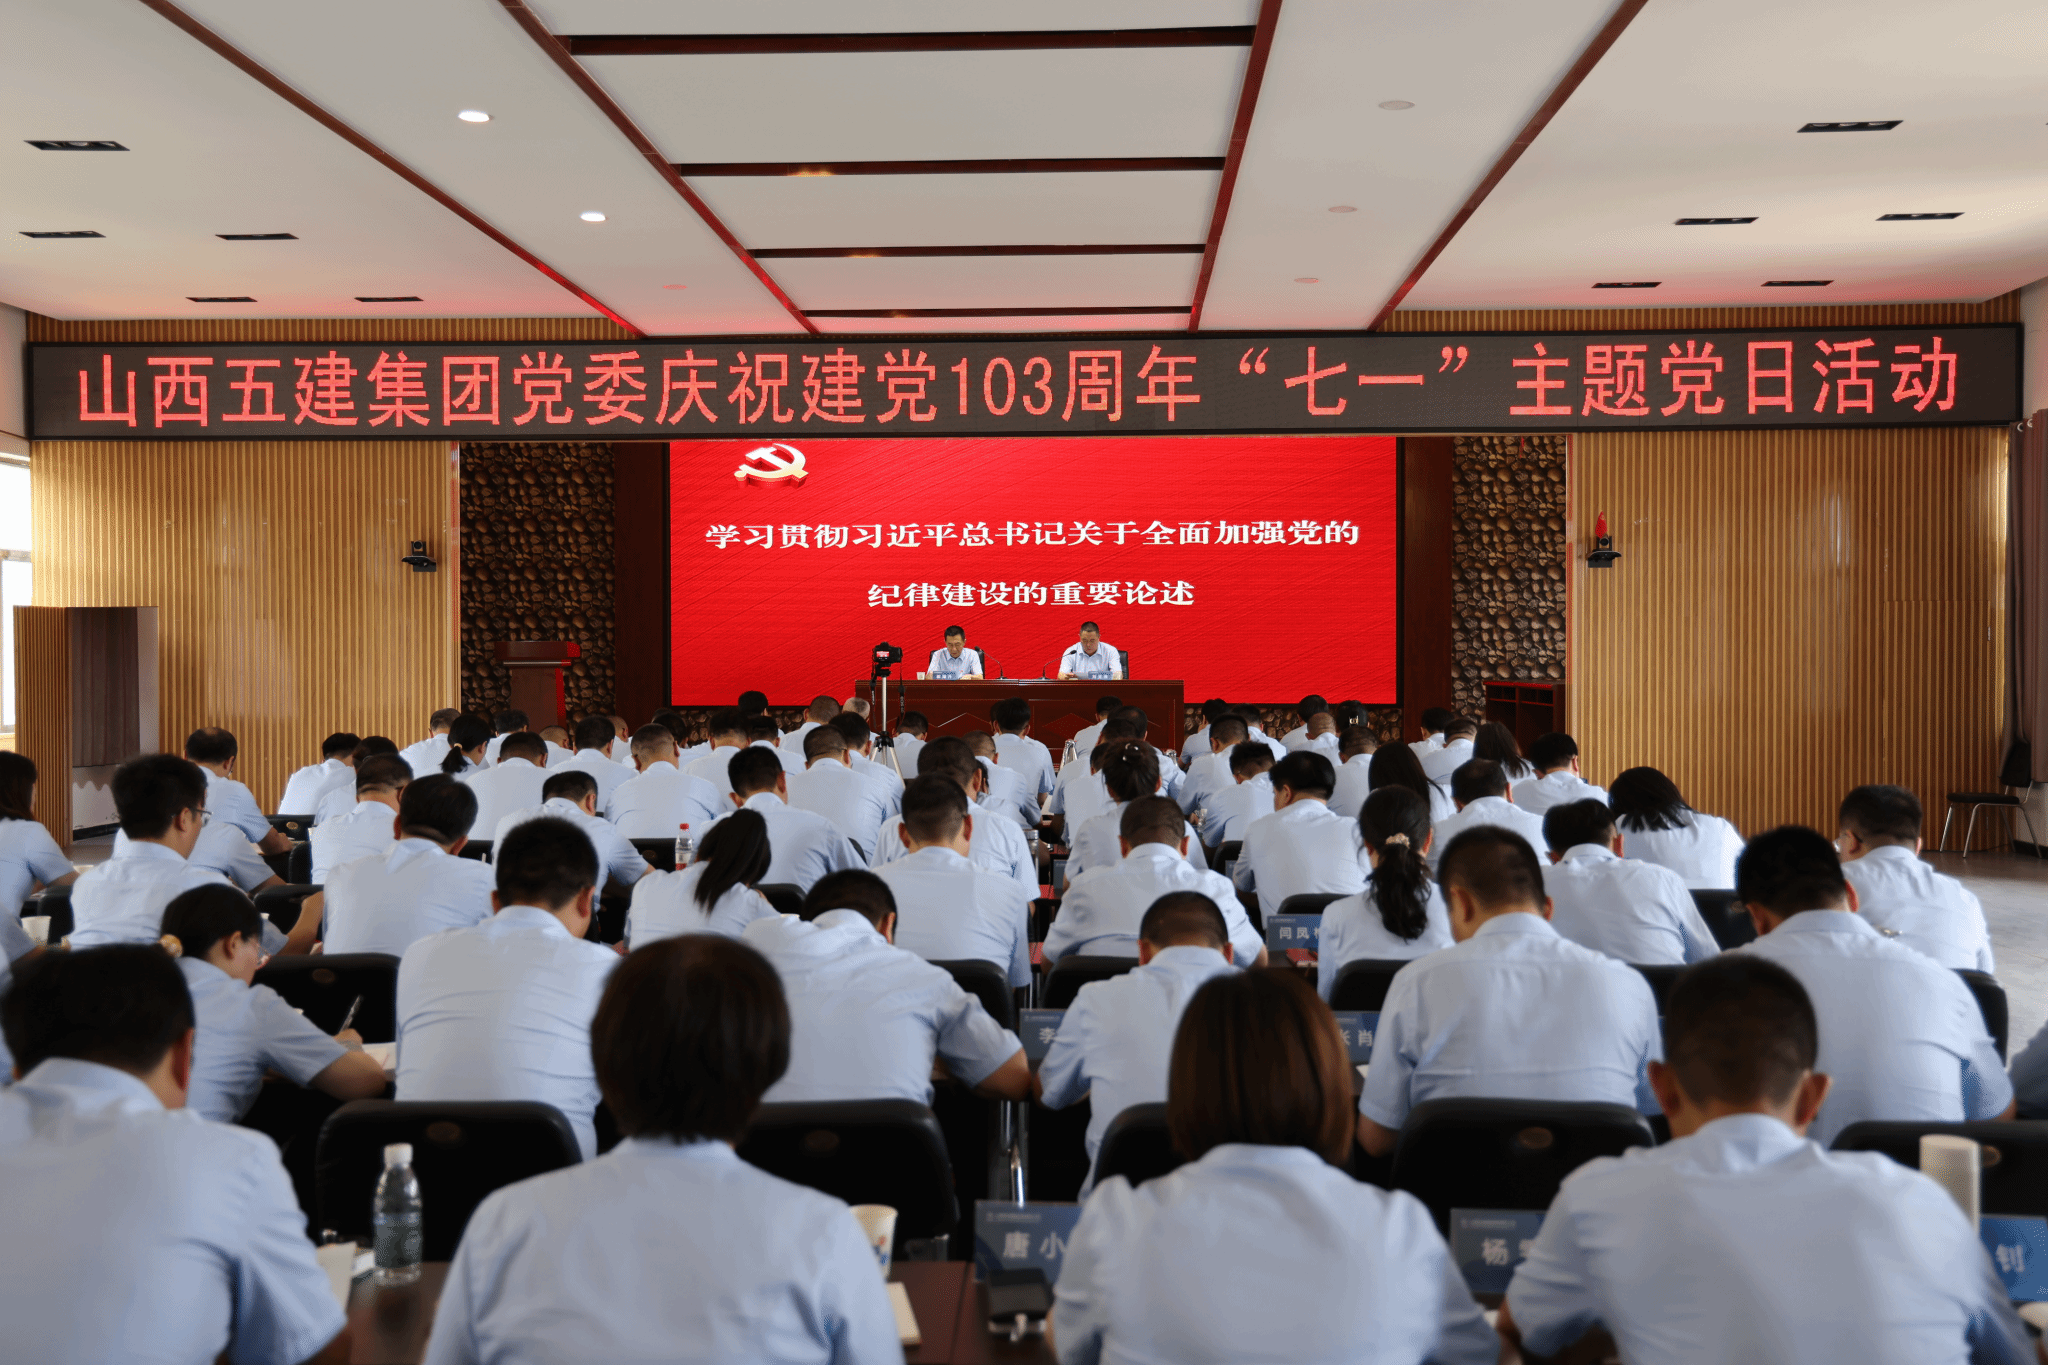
(885, 654)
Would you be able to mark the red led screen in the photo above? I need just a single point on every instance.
(1251, 567)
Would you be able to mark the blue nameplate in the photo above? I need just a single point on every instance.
(1294, 931)
(1036, 1029)
(1023, 1236)
(2019, 1248)
(1488, 1244)
(1358, 1028)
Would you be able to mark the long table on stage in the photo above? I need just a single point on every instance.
(1059, 710)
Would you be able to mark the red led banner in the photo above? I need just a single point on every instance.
(1242, 565)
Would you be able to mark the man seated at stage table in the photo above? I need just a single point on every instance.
(1303, 846)
(996, 845)
(1130, 772)
(956, 661)
(1090, 659)
(1102, 908)
(805, 845)
(950, 909)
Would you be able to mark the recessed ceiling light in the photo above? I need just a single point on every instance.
(63, 234)
(1711, 222)
(1628, 284)
(1343, 208)
(387, 298)
(219, 298)
(675, 286)
(1795, 284)
(58, 145)
(474, 116)
(1397, 104)
(1306, 279)
(591, 216)
(257, 236)
(1866, 125)
(1915, 217)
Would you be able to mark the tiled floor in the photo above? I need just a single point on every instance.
(2014, 890)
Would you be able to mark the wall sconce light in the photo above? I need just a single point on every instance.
(418, 560)
(1603, 554)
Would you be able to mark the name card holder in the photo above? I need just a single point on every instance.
(1023, 1236)
(2019, 1248)
(1358, 1028)
(1488, 1244)
(1294, 931)
(1036, 1029)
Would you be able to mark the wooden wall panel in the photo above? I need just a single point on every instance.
(42, 674)
(285, 611)
(1794, 613)
(229, 330)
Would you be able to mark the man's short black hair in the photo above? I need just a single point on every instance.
(1011, 714)
(123, 1006)
(371, 746)
(211, 744)
(1251, 757)
(1356, 740)
(950, 631)
(1496, 866)
(672, 721)
(1739, 1029)
(546, 862)
(763, 727)
(1435, 718)
(1090, 625)
(1882, 813)
(1228, 730)
(1305, 773)
(726, 721)
(1477, 777)
(206, 915)
(437, 808)
(825, 741)
(851, 727)
(1134, 717)
(1554, 750)
(384, 772)
(509, 722)
(443, 718)
(1130, 771)
(1114, 729)
(1311, 704)
(753, 769)
(1213, 709)
(524, 744)
(1106, 704)
(340, 744)
(595, 732)
(753, 703)
(1790, 869)
(1571, 823)
(1152, 820)
(1460, 727)
(150, 791)
(851, 889)
(912, 723)
(933, 808)
(571, 784)
(1180, 917)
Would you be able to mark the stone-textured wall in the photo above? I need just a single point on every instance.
(537, 565)
(1508, 559)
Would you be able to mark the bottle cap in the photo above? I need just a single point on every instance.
(398, 1154)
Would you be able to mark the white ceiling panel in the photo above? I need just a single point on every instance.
(904, 106)
(1690, 115)
(1078, 322)
(1474, 70)
(885, 16)
(988, 281)
(1090, 208)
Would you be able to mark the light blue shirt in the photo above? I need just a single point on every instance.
(1117, 1038)
(1029, 759)
(15, 944)
(369, 828)
(658, 1250)
(1538, 794)
(509, 784)
(241, 1031)
(1301, 848)
(802, 846)
(229, 802)
(222, 848)
(1008, 789)
(947, 909)
(618, 860)
(1263, 1253)
(1900, 1034)
(134, 1233)
(944, 667)
(123, 899)
(389, 901)
(1496, 812)
(665, 906)
(1924, 909)
(867, 1018)
(1514, 1013)
(996, 845)
(1353, 931)
(502, 1011)
(1103, 908)
(606, 771)
(907, 747)
(1105, 662)
(302, 790)
(655, 803)
(28, 857)
(1635, 911)
(855, 805)
(1746, 1243)
(1099, 843)
(1232, 809)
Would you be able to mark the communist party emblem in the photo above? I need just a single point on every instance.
(767, 464)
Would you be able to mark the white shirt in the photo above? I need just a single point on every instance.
(1030, 760)
(1304, 847)
(793, 741)
(1496, 811)
(222, 848)
(369, 827)
(424, 757)
(1105, 662)
(945, 667)
(616, 856)
(996, 845)
(1428, 744)
(947, 909)
(1353, 931)
(1353, 785)
(714, 768)
(884, 773)
(1012, 790)
(855, 805)
(502, 1011)
(1103, 907)
(229, 802)
(1538, 794)
(337, 799)
(1068, 783)
(665, 906)
(1295, 740)
(1922, 908)
(662, 1251)
(389, 901)
(907, 747)
(240, 1032)
(1232, 810)
(791, 763)
(123, 899)
(1638, 912)
(137, 1233)
(1263, 1253)
(656, 802)
(1098, 843)
(802, 846)
(28, 856)
(1194, 746)
(1439, 764)
(608, 775)
(302, 790)
(509, 785)
(1703, 851)
(866, 1018)
(1085, 739)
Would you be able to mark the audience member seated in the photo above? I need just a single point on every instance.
(1228, 813)
(911, 729)
(1264, 1214)
(1088, 736)
(1395, 765)
(243, 1030)
(1303, 846)
(1512, 1010)
(369, 827)
(512, 782)
(572, 796)
(1557, 781)
(1432, 722)
(1114, 1043)
(1209, 773)
(669, 1245)
(133, 1230)
(1201, 742)
(228, 801)
(1130, 772)
(621, 749)
(1297, 739)
(1134, 720)
(1901, 1036)
(1105, 906)
(860, 756)
(662, 798)
(949, 908)
(1496, 743)
(338, 797)
(868, 1019)
(1904, 897)
(227, 851)
(1739, 1239)
(997, 845)
(160, 800)
(425, 755)
(1400, 914)
(593, 744)
(821, 710)
(713, 895)
(1322, 736)
(855, 805)
(1479, 789)
(1079, 794)
(469, 738)
(764, 733)
(1355, 747)
(1006, 786)
(505, 723)
(1635, 911)
(728, 730)
(29, 858)
(557, 740)
(804, 846)
(302, 790)
(1454, 752)
(1657, 826)
(1018, 751)
(388, 902)
(501, 1011)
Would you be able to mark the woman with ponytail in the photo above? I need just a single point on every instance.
(1400, 914)
(1395, 765)
(714, 895)
(468, 737)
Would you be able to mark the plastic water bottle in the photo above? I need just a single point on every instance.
(396, 1216)
(686, 848)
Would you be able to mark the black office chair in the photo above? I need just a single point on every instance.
(1991, 1002)
(659, 853)
(293, 827)
(865, 1152)
(786, 897)
(54, 901)
(1056, 1151)
(462, 1151)
(1224, 854)
(1136, 1146)
(2015, 1160)
(987, 983)
(298, 863)
(324, 985)
(1505, 1154)
(280, 864)
(1250, 901)
(1076, 970)
(608, 918)
(1726, 918)
(1362, 983)
(478, 849)
(1309, 902)
(281, 904)
(1661, 976)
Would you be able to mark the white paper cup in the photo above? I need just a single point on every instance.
(38, 927)
(878, 1222)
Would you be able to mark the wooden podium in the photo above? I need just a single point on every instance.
(536, 668)
(1059, 710)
